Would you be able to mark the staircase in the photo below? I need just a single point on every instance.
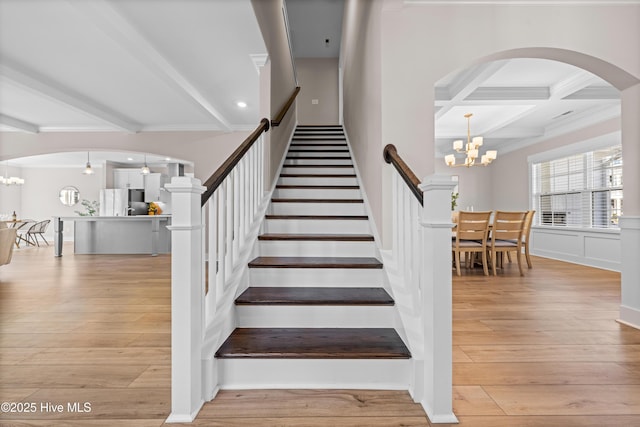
(316, 313)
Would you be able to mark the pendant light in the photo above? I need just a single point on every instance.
(10, 180)
(87, 169)
(145, 169)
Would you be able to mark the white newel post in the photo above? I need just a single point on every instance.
(187, 298)
(435, 277)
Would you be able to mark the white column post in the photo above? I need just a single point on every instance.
(630, 220)
(435, 277)
(187, 298)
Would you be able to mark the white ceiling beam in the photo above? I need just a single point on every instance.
(575, 82)
(501, 133)
(509, 94)
(116, 27)
(41, 85)
(465, 84)
(595, 92)
(18, 124)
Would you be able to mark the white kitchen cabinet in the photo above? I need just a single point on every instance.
(154, 187)
(128, 178)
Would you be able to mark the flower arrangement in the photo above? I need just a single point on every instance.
(154, 209)
(454, 200)
(91, 208)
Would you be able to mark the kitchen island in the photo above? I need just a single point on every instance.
(141, 234)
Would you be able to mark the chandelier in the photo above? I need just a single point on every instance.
(471, 150)
(10, 180)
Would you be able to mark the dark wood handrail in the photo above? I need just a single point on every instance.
(225, 169)
(283, 111)
(390, 154)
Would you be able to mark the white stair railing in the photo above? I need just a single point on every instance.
(420, 276)
(213, 229)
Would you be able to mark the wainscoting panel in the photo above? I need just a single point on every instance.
(595, 248)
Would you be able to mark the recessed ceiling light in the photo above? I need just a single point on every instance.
(130, 159)
(167, 158)
(241, 104)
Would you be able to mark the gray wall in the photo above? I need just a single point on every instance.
(318, 80)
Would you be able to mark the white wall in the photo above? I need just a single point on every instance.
(318, 79)
(475, 186)
(282, 84)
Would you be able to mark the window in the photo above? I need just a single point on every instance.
(582, 190)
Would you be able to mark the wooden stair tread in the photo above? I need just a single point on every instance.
(312, 175)
(318, 187)
(318, 237)
(314, 296)
(319, 158)
(317, 200)
(318, 144)
(318, 138)
(315, 262)
(318, 166)
(314, 343)
(317, 151)
(321, 217)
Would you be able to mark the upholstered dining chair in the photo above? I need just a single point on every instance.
(471, 237)
(7, 240)
(506, 236)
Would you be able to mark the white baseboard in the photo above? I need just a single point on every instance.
(629, 316)
(184, 418)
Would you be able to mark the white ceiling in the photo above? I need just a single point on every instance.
(311, 24)
(69, 65)
(78, 65)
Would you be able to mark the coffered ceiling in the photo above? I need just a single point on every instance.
(520, 102)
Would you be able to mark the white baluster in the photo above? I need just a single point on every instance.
(236, 213)
(396, 229)
(222, 242)
(228, 238)
(212, 238)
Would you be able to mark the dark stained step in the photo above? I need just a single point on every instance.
(319, 126)
(318, 166)
(315, 262)
(318, 237)
(321, 217)
(318, 187)
(318, 151)
(318, 138)
(314, 296)
(312, 175)
(318, 144)
(317, 200)
(319, 158)
(314, 343)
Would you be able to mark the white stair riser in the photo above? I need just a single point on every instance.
(279, 316)
(318, 162)
(301, 226)
(318, 139)
(317, 208)
(318, 171)
(375, 374)
(317, 147)
(310, 277)
(316, 193)
(316, 248)
(317, 153)
(317, 181)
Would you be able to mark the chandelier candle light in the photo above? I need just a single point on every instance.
(10, 180)
(471, 150)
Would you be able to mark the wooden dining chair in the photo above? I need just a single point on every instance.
(526, 232)
(506, 236)
(471, 237)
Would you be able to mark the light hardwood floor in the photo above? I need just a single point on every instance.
(538, 350)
